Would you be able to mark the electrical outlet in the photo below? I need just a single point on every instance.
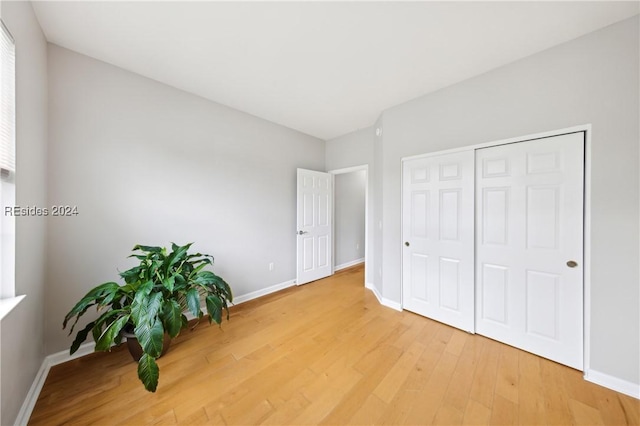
(271, 266)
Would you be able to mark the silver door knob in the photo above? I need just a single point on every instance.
(572, 264)
(302, 232)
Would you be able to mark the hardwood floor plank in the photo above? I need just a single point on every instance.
(423, 369)
(391, 383)
(531, 407)
(503, 412)
(254, 405)
(398, 409)
(286, 410)
(198, 417)
(369, 412)
(484, 378)
(508, 375)
(385, 359)
(431, 397)
(448, 415)
(556, 403)
(611, 409)
(630, 406)
(457, 342)
(305, 356)
(476, 414)
(326, 392)
(584, 414)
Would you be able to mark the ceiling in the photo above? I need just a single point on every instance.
(323, 68)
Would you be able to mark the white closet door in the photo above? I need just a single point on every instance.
(438, 262)
(529, 246)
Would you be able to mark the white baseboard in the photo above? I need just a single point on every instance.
(391, 304)
(613, 383)
(86, 348)
(32, 396)
(263, 292)
(348, 264)
(383, 301)
(63, 356)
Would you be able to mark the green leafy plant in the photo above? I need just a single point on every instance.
(151, 303)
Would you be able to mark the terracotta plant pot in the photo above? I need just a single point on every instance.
(136, 350)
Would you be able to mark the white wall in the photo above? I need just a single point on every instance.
(147, 163)
(351, 150)
(593, 79)
(22, 330)
(349, 200)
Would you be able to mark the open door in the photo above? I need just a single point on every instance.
(314, 219)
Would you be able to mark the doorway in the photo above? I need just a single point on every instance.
(351, 224)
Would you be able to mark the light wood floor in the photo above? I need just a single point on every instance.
(328, 353)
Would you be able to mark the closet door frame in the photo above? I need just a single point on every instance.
(586, 128)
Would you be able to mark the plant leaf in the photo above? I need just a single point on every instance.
(145, 304)
(94, 296)
(171, 317)
(193, 302)
(185, 321)
(150, 249)
(148, 372)
(106, 317)
(81, 337)
(131, 275)
(181, 283)
(214, 306)
(150, 336)
(203, 263)
(109, 334)
(169, 282)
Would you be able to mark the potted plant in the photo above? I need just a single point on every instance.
(152, 303)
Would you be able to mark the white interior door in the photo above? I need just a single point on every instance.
(438, 237)
(529, 253)
(314, 219)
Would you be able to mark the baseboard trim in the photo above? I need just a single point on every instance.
(87, 348)
(383, 301)
(263, 292)
(32, 396)
(349, 264)
(63, 356)
(613, 383)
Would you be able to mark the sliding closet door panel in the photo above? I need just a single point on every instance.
(529, 254)
(438, 264)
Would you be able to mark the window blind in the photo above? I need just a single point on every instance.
(7, 101)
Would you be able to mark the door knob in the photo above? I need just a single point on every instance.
(302, 232)
(572, 264)
(406, 243)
